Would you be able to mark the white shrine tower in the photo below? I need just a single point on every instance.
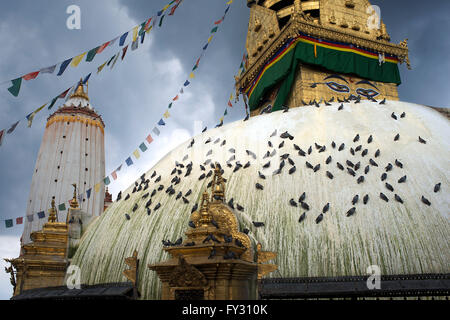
(72, 151)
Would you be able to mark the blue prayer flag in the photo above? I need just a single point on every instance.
(122, 39)
(87, 78)
(186, 83)
(9, 223)
(129, 162)
(41, 215)
(161, 122)
(88, 193)
(64, 66)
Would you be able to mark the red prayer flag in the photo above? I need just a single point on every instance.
(218, 22)
(149, 139)
(172, 11)
(148, 22)
(31, 75)
(175, 99)
(19, 220)
(114, 175)
(63, 95)
(229, 103)
(124, 52)
(102, 47)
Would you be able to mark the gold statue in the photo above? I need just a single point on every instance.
(74, 202)
(53, 216)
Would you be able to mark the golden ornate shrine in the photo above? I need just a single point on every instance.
(216, 261)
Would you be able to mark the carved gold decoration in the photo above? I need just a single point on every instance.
(356, 26)
(264, 256)
(52, 218)
(131, 273)
(350, 4)
(257, 25)
(74, 202)
(186, 275)
(332, 19)
(79, 92)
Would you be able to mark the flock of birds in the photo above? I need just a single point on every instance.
(357, 152)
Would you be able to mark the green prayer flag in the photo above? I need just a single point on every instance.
(9, 223)
(15, 88)
(106, 181)
(170, 105)
(225, 113)
(142, 29)
(53, 102)
(214, 29)
(91, 54)
(62, 207)
(143, 147)
(161, 20)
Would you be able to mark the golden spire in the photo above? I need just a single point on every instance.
(79, 91)
(218, 186)
(205, 217)
(52, 217)
(74, 202)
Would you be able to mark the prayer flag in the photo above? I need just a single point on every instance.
(161, 122)
(175, 99)
(181, 91)
(231, 96)
(15, 88)
(97, 187)
(9, 223)
(136, 153)
(31, 75)
(101, 68)
(191, 75)
(134, 45)
(142, 37)
(172, 11)
(113, 41)
(80, 198)
(63, 66)
(147, 24)
(142, 30)
(118, 168)
(63, 95)
(1, 136)
(135, 33)
(76, 61)
(166, 6)
(206, 46)
(115, 60)
(110, 60)
(124, 52)
(221, 119)
(53, 103)
(70, 92)
(225, 113)
(156, 131)
(87, 78)
(13, 127)
(161, 20)
(143, 147)
(91, 54)
(166, 114)
(160, 13)
(31, 115)
(62, 207)
(48, 69)
(41, 215)
(186, 83)
(129, 162)
(229, 103)
(30, 218)
(148, 30)
(122, 39)
(170, 105)
(228, 8)
(106, 181)
(230, 2)
(88, 193)
(114, 175)
(214, 29)
(209, 39)
(149, 139)
(102, 47)
(218, 22)
(19, 220)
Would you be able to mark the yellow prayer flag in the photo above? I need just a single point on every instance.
(191, 75)
(166, 114)
(97, 187)
(230, 2)
(136, 154)
(101, 67)
(209, 39)
(39, 109)
(231, 96)
(166, 6)
(148, 30)
(221, 119)
(76, 61)
(135, 33)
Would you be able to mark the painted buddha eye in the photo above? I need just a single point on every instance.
(337, 87)
(368, 93)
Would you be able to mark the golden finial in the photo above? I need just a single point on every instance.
(205, 218)
(52, 216)
(79, 91)
(74, 202)
(218, 186)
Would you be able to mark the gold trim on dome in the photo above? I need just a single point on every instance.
(84, 120)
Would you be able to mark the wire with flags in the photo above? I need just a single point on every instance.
(143, 147)
(110, 62)
(89, 55)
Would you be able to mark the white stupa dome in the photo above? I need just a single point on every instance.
(401, 238)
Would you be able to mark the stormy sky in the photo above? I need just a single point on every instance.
(132, 97)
